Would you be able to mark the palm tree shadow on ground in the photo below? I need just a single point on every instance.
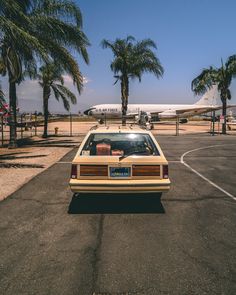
(49, 142)
(116, 204)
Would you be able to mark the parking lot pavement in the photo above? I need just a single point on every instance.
(214, 157)
(53, 243)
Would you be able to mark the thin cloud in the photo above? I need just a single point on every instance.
(86, 80)
(69, 80)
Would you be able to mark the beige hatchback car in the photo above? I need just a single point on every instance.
(119, 159)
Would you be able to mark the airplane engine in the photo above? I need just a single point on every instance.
(183, 121)
(101, 121)
(155, 118)
(148, 117)
(137, 119)
(143, 117)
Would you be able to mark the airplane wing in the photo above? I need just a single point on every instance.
(132, 114)
(188, 112)
(197, 110)
(184, 113)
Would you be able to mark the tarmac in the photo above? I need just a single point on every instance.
(184, 243)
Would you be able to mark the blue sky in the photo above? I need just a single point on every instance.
(190, 35)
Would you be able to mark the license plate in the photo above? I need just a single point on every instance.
(120, 171)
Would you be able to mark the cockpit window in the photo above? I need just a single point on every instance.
(119, 144)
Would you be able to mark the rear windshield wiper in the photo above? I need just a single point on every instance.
(133, 153)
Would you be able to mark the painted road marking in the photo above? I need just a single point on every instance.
(202, 176)
(60, 162)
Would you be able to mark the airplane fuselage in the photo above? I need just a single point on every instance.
(114, 110)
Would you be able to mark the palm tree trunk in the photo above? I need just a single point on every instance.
(224, 109)
(12, 118)
(46, 95)
(124, 98)
(123, 103)
(126, 94)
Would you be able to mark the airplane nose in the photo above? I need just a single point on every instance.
(87, 111)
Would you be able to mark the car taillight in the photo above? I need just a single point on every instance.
(74, 171)
(165, 171)
(146, 170)
(93, 170)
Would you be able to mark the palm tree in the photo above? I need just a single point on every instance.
(39, 30)
(222, 77)
(131, 60)
(51, 80)
(16, 49)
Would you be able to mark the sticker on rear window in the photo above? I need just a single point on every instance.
(85, 153)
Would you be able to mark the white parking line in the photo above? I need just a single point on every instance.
(200, 175)
(60, 162)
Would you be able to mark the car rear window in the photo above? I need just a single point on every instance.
(119, 144)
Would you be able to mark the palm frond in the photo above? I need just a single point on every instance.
(63, 57)
(64, 9)
(145, 44)
(130, 38)
(69, 94)
(107, 44)
(41, 83)
(14, 65)
(59, 94)
(228, 94)
(204, 81)
(231, 65)
(64, 33)
(55, 91)
(117, 79)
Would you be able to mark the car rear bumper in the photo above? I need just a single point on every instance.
(119, 186)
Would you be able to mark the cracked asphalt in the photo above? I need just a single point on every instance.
(183, 243)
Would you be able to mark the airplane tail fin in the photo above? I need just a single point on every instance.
(210, 98)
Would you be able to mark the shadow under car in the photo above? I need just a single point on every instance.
(116, 203)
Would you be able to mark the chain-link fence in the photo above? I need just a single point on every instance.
(29, 125)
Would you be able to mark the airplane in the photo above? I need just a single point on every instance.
(209, 102)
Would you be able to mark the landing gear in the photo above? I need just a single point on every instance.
(101, 121)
